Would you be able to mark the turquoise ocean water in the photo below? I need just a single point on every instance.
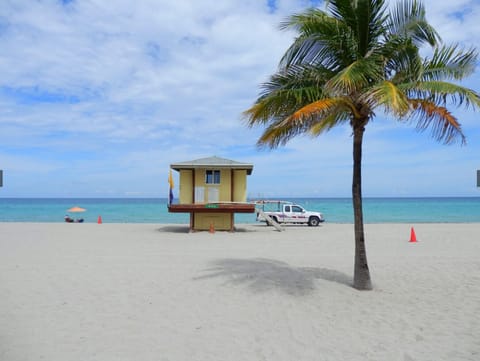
(154, 210)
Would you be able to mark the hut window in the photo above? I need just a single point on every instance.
(212, 177)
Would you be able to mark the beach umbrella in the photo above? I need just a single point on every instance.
(76, 209)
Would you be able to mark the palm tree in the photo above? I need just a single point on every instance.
(354, 59)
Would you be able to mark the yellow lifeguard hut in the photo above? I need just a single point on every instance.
(212, 190)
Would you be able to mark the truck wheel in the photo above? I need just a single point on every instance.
(313, 221)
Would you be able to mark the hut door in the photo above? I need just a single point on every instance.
(213, 194)
(199, 194)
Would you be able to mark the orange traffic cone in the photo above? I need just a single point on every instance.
(99, 221)
(413, 237)
(212, 228)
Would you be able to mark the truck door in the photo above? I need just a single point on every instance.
(298, 214)
(287, 213)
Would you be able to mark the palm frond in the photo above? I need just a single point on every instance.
(313, 118)
(403, 62)
(444, 126)
(450, 62)
(322, 108)
(322, 41)
(329, 122)
(388, 96)
(286, 90)
(408, 20)
(358, 75)
(370, 16)
(274, 136)
(315, 51)
(364, 18)
(441, 92)
(309, 22)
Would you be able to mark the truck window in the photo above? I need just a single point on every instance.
(297, 209)
(287, 209)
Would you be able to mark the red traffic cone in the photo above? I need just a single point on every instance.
(413, 237)
(99, 221)
(212, 228)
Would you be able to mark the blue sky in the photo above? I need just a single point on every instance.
(98, 98)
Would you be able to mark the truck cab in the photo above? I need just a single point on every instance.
(294, 213)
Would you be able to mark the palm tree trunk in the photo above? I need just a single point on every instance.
(361, 275)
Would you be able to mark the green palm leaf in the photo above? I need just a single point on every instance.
(450, 62)
(408, 20)
(388, 96)
(442, 93)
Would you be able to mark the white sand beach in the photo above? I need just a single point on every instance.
(138, 292)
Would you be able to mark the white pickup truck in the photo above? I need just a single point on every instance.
(286, 212)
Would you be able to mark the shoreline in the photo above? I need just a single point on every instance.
(155, 291)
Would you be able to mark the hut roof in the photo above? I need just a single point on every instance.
(212, 162)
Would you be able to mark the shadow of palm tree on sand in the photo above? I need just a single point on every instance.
(261, 275)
